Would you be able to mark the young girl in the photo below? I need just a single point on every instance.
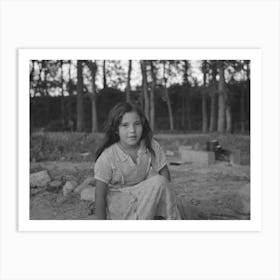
(131, 170)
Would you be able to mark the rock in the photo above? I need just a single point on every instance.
(81, 187)
(88, 194)
(39, 179)
(88, 182)
(35, 191)
(69, 187)
(55, 185)
(196, 157)
(69, 177)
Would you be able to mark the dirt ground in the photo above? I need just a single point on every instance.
(217, 192)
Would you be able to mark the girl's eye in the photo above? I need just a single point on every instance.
(124, 125)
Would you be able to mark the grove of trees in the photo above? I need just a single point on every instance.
(175, 95)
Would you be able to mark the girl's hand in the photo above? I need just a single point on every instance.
(165, 173)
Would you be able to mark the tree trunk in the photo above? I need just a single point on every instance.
(227, 109)
(31, 78)
(246, 96)
(45, 92)
(104, 74)
(30, 97)
(127, 90)
(94, 124)
(221, 90)
(186, 106)
(213, 101)
(152, 96)
(62, 108)
(69, 117)
(145, 89)
(169, 107)
(242, 111)
(80, 105)
(204, 105)
(228, 119)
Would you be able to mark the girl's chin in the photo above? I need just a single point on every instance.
(131, 142)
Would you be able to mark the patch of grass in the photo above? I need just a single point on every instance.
(81, 146)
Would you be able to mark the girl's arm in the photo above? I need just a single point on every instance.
(165, 173)
(100, 200)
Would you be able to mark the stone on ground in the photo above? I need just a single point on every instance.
(39, 179)
(69, 187)
(196, 157)
(87, 183)
(54, 185)
(88, 194)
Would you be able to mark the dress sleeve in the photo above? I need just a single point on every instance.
(103, 168)
(160, 160)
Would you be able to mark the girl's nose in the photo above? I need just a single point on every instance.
(132, 128)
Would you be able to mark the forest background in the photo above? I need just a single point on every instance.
(177, 96)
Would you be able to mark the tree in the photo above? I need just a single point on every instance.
(186, 103)
(221, 91)
(203, 99)
(213, 90)
(245, 65)
(31, 83)
(225, 118)
(63, 116)
(70, 88)
(127, 89)
(247, 100)
(143, 64)
(152, 96)
(169, 107)
(104, 74)
(93, 69)
(227, 103)
(80, 104)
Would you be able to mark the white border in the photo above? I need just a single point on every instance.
(254, 224)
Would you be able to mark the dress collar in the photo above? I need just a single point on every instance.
(122, 155)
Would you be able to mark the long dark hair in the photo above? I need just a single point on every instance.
(113, 122)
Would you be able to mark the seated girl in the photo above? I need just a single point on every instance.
(131, 172)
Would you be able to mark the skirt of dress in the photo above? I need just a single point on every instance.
(144, 201)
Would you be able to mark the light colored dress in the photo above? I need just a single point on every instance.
(136, 190)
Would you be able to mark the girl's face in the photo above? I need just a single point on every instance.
(130, 130)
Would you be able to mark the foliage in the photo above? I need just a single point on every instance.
(53, 92)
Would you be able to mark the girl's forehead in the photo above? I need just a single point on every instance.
(130, 116)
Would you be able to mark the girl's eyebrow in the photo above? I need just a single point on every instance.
(138, 121)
